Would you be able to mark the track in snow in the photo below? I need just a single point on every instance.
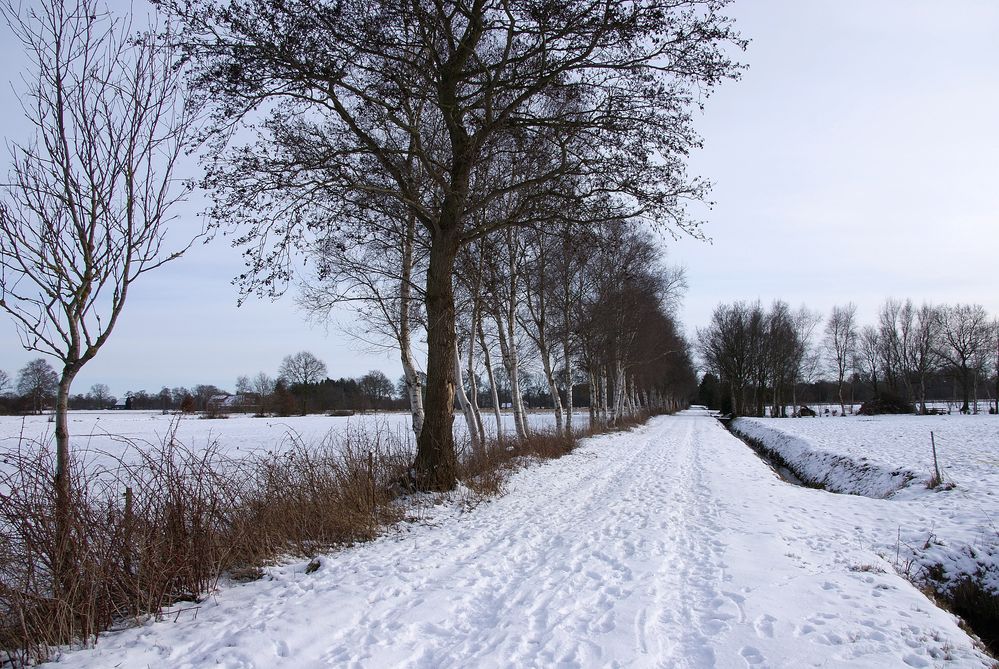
(670, 546)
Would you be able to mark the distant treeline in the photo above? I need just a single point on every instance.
(293, 392)
(763, 360)
(289, 393)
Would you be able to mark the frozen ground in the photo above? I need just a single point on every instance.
(955, 525)
(670, 546)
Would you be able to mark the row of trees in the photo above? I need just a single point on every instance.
(429, 154)
(418, 138)
(425, 139)
(762, 357)
(546, 302)
(36, 385)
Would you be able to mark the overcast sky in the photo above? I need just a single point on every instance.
(858, 158)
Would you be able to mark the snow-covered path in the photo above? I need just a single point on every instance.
(670, 546)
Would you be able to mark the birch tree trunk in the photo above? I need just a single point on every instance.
(619, 392)
(537, 306)
(568, 386)
(553, 389)
(544, 352)
(473, 390)
(487, 359)
(594, 401)
(474, 327)
(466, 406)
(508, 350)
(414, 388)
(603, 396)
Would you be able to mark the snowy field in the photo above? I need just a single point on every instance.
(669, 546)
(99, 434)
(956, 524)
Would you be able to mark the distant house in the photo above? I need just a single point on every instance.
(226, 403)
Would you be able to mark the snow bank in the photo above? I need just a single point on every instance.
(816, 465)
(940, 535)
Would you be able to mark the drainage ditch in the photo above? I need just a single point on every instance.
(775, 462)
(970, 601)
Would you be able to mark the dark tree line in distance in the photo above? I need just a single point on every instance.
(766, 361)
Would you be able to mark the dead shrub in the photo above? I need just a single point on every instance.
(165, 526)
(307, 498)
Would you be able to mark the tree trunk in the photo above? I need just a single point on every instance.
(413, 386)
(552, 388)
(487, 358)
(466, 406)
(568, 387)
(436, 464)
(974, 388)
(965, 390)
(603, 396)
(415, 391)
(620, 395)
(593, 400)
(473, 386)
(63, 559)
(508, 350)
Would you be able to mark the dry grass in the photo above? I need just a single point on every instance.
(163, 530)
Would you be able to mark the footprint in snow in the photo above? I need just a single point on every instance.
(764, 626)
(752, 656)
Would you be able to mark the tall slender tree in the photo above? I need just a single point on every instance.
(86, 210)
(841, 345)
(965, 340)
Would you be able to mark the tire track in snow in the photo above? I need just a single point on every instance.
(698, 607)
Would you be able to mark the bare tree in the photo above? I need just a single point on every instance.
(203, 394)
(380, 276)
(841, 344)
(101, 396)
(87, 207)
(302, 367)
(243, 385)
(263, 387)
(780, 348)
(363, 98)
(965, 339)
(38, 381)
(804, 358)
(870, 354)
(995, 342)
(4, 382)
(726, 348)
(377, 387)
(921, 354)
